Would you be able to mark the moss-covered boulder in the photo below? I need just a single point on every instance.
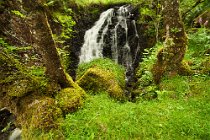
(14, 78)
(70, 99)
(106, 64)
(20, 88)
(96, 79)
(42, 113)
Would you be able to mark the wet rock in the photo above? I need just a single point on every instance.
(16, 134)
(7, 125)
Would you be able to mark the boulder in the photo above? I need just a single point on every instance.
(70, 99)
(97, 80)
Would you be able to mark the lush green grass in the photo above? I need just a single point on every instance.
(167, 117)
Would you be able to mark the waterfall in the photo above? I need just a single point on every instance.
(113, 36)
(92, 48)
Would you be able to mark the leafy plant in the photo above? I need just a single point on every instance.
(198, 47)
(18, 13)
(199, 41)
(151, 16)
(66, 22)
(144, 73)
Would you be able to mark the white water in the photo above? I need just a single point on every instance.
(16, 134)
(93, 48)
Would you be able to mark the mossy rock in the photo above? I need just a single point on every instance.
(96, 79)
(105, 64)
(15, 78)
(20, 88)
(70, 99)
(45, 115)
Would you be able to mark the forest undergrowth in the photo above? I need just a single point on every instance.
(180, 111)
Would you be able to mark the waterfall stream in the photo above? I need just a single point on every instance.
(111, 37)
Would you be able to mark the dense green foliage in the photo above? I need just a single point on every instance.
(66, 22)
(190, 9)
(198, 48)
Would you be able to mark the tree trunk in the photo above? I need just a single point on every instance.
(169, 59)
(43, 41)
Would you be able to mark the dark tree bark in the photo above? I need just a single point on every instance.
(43, 41)
(169, 59)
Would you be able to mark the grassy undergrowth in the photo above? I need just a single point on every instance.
(163, 118)
(181, 110)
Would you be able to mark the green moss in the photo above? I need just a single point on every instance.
(116, 92)
(106, 65)
(15, 79)
(43, 114)
(21, 88)
(184, 69)
(96, 79)
(70, 99)
(206, 66)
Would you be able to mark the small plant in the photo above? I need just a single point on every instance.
(66, 22)
(18, 13)
(5, 45)
(198, 48)
(199, 41)
(144, 74)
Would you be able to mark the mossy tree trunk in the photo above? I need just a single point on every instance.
(45, 44)
(169, 59)
(23, 93)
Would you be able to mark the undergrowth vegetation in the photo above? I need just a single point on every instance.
(199, 49)
(180, 110)
(168, 118)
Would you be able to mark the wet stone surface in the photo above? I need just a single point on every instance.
(6, 123)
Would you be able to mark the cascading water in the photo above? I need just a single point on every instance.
(92, 48)
(111, 37)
